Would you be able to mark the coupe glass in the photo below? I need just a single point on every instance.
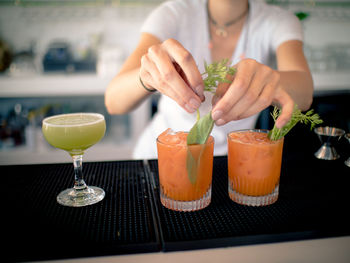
(75, 133)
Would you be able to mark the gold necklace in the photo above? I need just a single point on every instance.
(221, 30)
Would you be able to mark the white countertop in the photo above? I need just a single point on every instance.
(335, 250)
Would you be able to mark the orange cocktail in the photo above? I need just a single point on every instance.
(254, 167)
(185, 172)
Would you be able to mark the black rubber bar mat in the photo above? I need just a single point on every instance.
(313, 203)
(40, 229)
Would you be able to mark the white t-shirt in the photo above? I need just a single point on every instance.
(186, 21)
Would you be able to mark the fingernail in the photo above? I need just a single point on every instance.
(220, 122)
(199, 90)
(194, 103)
(214, 100)
(280, 123)
(190, 108)
(216, 115)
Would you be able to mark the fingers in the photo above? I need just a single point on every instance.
(255, 87)
(287, 104)
(171, 69)
(188, 65)
(236, 90)
(221, 90)
(263, 101)
(147, 67)
(223, 111)
(259, 95)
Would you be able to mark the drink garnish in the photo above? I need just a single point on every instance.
(308, 118)
(201, 130)
(198, 134)
(214, 74)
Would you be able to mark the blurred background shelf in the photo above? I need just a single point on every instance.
(27, 100)
(47, 85)
(50, 85)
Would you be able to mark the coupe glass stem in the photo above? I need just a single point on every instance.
(79, 183)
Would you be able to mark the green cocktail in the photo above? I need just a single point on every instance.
(75, 133)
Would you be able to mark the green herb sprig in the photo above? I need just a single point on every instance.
(308, 118)
(213, 75)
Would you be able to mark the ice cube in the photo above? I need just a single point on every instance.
(169, 136)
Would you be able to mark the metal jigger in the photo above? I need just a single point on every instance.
(347, 136)
(327, 136)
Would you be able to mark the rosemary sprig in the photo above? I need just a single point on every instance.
(308, 118)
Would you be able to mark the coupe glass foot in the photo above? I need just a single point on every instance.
(71, 197)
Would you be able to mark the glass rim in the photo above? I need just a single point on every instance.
(251, 130)
(167, 144)
(329, 131)
(101, 118)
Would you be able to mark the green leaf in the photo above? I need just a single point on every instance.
(302, 15)
(198, 135)
(201, 130)
(308, 118)
(193, 164)
(213, 75)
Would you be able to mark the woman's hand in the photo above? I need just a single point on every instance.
(254, 87)
(171, 69)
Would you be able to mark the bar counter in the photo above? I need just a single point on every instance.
(131, 225)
